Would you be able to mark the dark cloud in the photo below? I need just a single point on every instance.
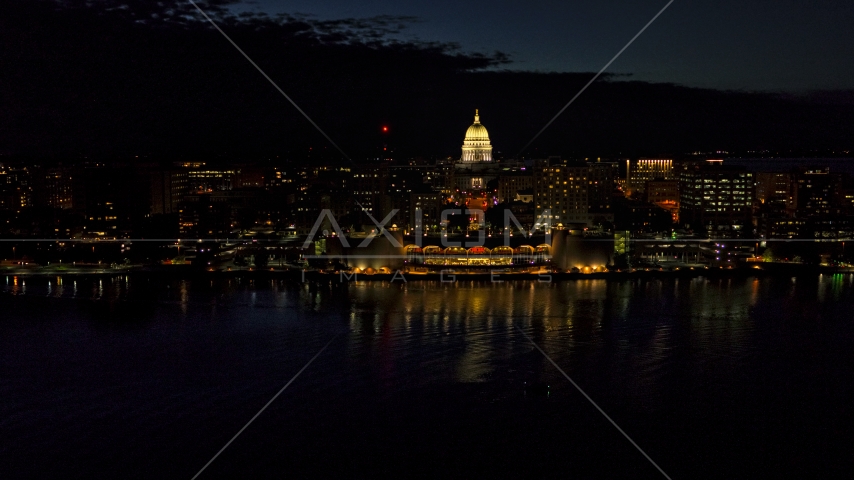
(129, 77)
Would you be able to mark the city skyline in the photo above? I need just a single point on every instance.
(326, 239)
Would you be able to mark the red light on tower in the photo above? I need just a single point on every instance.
(385, 129)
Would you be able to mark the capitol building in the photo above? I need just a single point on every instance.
(475, 167)
(476, 146)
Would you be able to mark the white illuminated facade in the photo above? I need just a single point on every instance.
(476, 146)
(476, 167)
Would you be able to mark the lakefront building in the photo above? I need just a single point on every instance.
(642, 170)
(715, 198)
(573, 193)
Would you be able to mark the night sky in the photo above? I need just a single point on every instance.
(729, 44)
(134, 77)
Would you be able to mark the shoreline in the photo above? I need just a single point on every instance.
(444, 276)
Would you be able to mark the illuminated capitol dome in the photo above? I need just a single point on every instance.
(476, 146)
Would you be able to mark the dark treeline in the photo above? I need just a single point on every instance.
(151, 78)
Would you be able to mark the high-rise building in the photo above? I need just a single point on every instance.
(815, 192)
(427, 203)
(847, 196)
(15, 188)
(601, 183)
(511, 183)
(716, 198)
(369, 183)
(405, 185)
(168, 188)
(51, 187)
(636, 216)
(664, 194)
(208, 180)
(111, 199)
(641, 171)
(203, 216)
(560, 191)
(575, 192)
(252, 176)
(815, 208)
(443, 176)
(773, 190)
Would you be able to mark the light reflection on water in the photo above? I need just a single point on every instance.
(681, 349)
(704, 298)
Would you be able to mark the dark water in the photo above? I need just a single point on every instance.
(741, 378)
